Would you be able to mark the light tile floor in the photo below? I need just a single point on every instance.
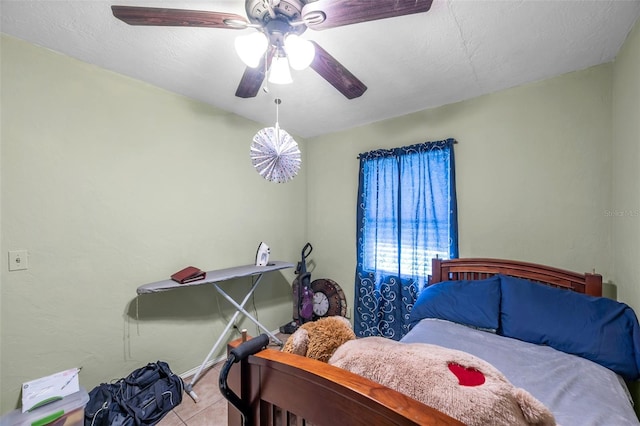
(211, 410)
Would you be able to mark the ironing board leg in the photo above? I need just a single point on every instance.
(189, 387)
(240, 309)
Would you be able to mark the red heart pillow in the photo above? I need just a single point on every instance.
(467, 376)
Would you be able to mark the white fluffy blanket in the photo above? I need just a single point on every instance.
(457, 383)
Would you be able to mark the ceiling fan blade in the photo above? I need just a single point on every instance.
(323, 14)
(253, 77)
(336, 74)
(133, 15)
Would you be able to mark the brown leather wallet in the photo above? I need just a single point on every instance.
(188, 274)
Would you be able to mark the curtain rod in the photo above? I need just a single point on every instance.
(455, 142)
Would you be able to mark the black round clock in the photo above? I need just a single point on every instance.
(328, 299)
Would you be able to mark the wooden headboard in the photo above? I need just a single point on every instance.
(478, 268)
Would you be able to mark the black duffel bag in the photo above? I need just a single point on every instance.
(143, 398)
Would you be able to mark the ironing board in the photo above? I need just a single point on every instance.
(214, 277)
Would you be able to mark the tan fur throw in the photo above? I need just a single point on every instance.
(457, 383)
(319, 339)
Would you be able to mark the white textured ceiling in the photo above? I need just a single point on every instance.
(458, 50)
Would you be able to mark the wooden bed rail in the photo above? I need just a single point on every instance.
(285, 389)
(479, 268)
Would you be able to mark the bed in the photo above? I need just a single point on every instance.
(576, 368)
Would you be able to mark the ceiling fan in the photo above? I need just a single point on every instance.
(277, 20)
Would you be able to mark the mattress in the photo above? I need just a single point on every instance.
(578, 391)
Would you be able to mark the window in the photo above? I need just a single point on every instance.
(406, 216)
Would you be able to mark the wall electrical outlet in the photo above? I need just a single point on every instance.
(18, 260)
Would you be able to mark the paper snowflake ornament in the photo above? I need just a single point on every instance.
(275, 154)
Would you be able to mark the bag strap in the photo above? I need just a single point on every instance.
(164, 368)
(144, 376)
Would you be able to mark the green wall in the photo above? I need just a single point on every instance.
(111, 183)
(533, 168)
(625, 182)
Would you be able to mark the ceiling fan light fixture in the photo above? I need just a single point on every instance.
(280, 73)
(299, 51)
(251, 48)
(274, 20)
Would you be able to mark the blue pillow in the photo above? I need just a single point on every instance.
(596, 328)
(474, 303)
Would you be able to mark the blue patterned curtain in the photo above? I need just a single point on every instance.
(406, 216)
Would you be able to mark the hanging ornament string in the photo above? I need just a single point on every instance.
(274, 153)
(278, 102)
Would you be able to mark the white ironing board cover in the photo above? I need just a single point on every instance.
(215, 276)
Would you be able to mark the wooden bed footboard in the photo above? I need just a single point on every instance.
(283, 389)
